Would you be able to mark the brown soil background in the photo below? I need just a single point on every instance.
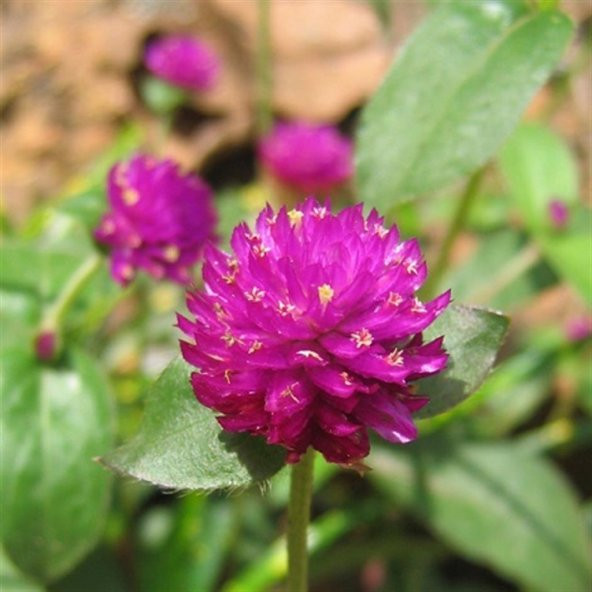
(70, 70)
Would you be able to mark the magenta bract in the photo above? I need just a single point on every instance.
(183, 61)
(159, 221)
(310, 158)
(310, 332)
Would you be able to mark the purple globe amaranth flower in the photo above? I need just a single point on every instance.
(310, 332)
(558, 214)
(159, 221)
(183, 61)
(306, 157)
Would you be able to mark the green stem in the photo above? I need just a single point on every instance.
(53, 317)
(519, 264)
(298, 519)
(263, 68)
(457, 223)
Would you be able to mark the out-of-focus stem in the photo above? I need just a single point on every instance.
(519, 264)
(298, 519)
(457, 223)
(53, 317)
(263, 68)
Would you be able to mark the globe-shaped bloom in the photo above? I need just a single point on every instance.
(159, 219)
(183, 61)
(309, 158)
(309, 333)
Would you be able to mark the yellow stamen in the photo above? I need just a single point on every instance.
(171, 253)
(130, 196)
(325, 294)
(295, 217)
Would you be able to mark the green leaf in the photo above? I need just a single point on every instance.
(160, 96)
(539, 168)
(26, 266)
(453, 95)
(20, 314)
(11, 580)
(54, 498)
(496, 505)
(88, 206)
(569, 255)
(472, 338)
(180, 444)
(184, 547)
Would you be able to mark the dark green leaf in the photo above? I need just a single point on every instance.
(183, 547)
(53, 497)
(101, 571)
(495, 504)
(472, 337)
(454, 94)
(180, 444)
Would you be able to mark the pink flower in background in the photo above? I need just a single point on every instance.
(558, 213)
(310, 158)
(579, 328)
(159, 219)
(183, 61)
(309, 333)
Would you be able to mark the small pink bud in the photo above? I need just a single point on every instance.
(45, 345)
(558, 214)
(579, 328)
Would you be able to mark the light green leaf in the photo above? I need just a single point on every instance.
(26, 266)
(454, 93)
(180, 444)
(87, 206)
(53, 496)
(539, 168)
(494, 503)
(472, 338)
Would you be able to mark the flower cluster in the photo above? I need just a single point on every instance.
(159, 219)
(183, 61)
(309, 158)
(310, 332)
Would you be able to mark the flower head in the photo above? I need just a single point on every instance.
(310, 332)
(183, 61)
(558, 213)
(310, 158)
(159, 219)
